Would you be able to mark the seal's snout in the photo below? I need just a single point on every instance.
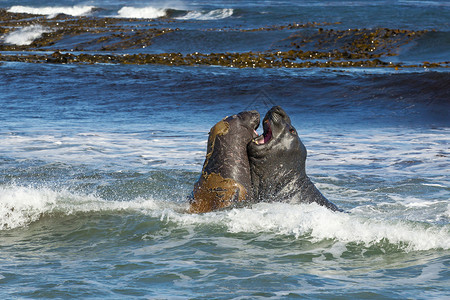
(254, 123)
(277, 109)
(277, 114)
(273, 123)
(255, 119)
(250, 119)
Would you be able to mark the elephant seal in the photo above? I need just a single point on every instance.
(225, 177)
(277, 164)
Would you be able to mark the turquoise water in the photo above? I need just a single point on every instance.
(96, 162)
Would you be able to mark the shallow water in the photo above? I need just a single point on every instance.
(96, 162)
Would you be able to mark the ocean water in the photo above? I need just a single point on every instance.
(96, 160)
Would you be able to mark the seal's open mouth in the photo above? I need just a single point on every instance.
(266, 136)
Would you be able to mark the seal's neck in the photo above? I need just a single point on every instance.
(270, 176)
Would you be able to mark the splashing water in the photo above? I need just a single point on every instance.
(25, 35)
(52, 11)
(138, 13)
(208, 15)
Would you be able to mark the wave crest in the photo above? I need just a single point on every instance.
(25, 35)
(151, 12)
(52, 11)
(317, 223)
(141, 13)
(20, 206)
(216, 14)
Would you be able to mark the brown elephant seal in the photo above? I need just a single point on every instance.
(225, 177)
(277, 164)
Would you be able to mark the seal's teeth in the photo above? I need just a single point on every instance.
(256, 142)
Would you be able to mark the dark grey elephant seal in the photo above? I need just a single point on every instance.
(277, 164)
(225, 178)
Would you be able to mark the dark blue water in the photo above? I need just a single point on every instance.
(96, 162)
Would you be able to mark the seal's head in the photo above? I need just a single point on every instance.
(279, 145)
(245, 123)
(278, 153)
(277, 164)
(228, 139)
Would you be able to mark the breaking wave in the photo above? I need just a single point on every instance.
(151, 12)
(20, 206)
(216, 14)
(141, 13)
(52, 11)
(25, 35)
(317, 223)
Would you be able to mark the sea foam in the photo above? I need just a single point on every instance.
(216, 14)
(317, 223)
(98, 148)
(52, 11)
(20, 206)
(141, 13)
(151, 12)
(25, 35)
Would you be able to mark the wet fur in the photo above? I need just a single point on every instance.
(278, 166)
(225, 177)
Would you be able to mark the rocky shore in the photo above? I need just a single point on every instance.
(117, 41)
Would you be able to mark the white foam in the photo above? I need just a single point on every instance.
(148, 12)
(409, 201)
(52, 11)
(20, 206)
(396, 152)
(100, 148)
(434, 185)
(318, 223)
(25, 35)
(216, 14)
(425, 3)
